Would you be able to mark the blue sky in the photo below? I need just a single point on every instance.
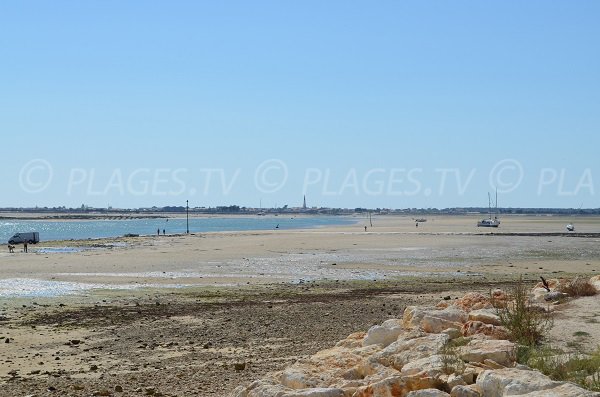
(371, 104)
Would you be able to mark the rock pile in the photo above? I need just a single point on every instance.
(456, 349)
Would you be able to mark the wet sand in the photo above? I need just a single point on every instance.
(393, 247)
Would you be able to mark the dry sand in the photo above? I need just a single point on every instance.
(254, 301)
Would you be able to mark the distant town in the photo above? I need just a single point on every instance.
(88, 212)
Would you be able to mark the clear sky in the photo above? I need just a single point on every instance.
(389, 104)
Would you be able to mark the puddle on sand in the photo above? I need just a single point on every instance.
(27, 287)
(58, 250)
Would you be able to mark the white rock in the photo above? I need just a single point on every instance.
(487, 316)
(595, 281)
(515, 382)
(466, 391)
(563, 390)
(478, 350)
(389, 387)
(452, 333)
(384, 334)
(412, 317)
(452, 313)
(510, 381)
(296, 378)
(434, 321)
(264, 388)
(260, 388)
(316, 392)
(435, 325)
(433, 366)
(455, 380)
(428, 393)
(410, 347)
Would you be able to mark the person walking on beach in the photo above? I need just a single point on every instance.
(164, 233)
(365, 228)
(25, 247)
(158, 232)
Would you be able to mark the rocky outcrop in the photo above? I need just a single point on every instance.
(455, 349)
(518, 382)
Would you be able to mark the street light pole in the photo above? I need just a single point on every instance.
(187, 216)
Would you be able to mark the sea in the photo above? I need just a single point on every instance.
(51, 230)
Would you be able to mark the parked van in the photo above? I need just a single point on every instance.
(21, 238)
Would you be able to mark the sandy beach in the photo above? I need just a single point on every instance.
(196, 315)
(392, 247)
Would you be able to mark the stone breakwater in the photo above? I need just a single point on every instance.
(457, 348)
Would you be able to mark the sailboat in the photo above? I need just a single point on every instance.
(571, 226)
(489, 222)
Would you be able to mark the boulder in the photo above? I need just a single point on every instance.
(478, 328)
(434, 325)
(499, 298)
(412, 317)
(512, 381)
(455, 380)
(433, 366)
(389, 387)
(486, 316)
(384, 334)
(411, 347)
(428, 393)
(595, 281)
(466, 391)
(565, 389)
(316, 392)
(478, 350)
(328, 367)
(453, 333)
(473, 301)
(352, 341)
(434, 321)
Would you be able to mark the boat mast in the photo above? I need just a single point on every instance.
(496, 202)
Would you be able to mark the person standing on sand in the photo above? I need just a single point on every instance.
(164, 232)
(158, 232)
(365, 228)
(25, 247)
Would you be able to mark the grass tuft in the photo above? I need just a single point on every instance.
(579, 286)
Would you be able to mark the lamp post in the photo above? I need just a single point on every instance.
(187, 216)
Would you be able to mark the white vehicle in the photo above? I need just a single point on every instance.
(22, 238)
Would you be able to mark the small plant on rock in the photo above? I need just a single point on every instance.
(453, 364)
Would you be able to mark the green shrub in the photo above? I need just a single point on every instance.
(526, 324)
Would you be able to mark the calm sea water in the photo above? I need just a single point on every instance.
(66, 230)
